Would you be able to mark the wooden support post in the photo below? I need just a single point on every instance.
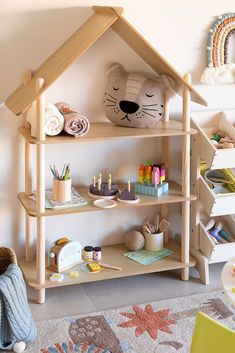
(28, 182)
(195, 174)
(40, 110)
(165, 155)
(27, 77)
(186, 179)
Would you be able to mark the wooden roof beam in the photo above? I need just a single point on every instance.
(62, 58)
(151, 56)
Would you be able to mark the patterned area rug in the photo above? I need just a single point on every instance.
(164, 326)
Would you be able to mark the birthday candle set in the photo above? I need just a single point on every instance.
(151, 179)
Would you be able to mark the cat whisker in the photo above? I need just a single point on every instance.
(109, 100)
(110, 105)
(148, 114)
(151, 109)
(112, 97)
(149, 105)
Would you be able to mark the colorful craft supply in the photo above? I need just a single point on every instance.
(219, 70)
(224, 234)
(65, 175)
(148, 171)
(155, 176)
(141, 174)
(215, 232)
(233, 290)
(151, 180)
(56, 277)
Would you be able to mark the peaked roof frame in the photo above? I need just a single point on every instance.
(79, 42)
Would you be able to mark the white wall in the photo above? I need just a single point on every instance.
(29, 33)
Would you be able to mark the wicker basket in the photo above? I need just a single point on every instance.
(7, 257)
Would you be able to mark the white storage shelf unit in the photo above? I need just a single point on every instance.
(207, 123)
(219, 252)
(215, 205)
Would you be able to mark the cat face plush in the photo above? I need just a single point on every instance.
(132, 99)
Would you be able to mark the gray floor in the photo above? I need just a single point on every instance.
(98, 296)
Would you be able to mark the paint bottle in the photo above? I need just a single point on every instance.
(97, 253)
(88, 253)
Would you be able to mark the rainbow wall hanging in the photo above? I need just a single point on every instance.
(219, 70)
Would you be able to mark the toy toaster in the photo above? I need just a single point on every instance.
(63, 254)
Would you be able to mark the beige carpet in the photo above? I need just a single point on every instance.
(164, 326)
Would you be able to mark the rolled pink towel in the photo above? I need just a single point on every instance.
(74, 123)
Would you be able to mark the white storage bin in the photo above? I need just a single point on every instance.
(215, 204)
(206, 122)
(219, 252)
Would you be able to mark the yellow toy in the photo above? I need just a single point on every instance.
(74, 274)
(210, 336)
(94, 267)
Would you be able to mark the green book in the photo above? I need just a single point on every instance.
(146, 257)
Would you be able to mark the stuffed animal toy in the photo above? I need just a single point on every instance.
(133, 99)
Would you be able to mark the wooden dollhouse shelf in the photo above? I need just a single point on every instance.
(173, 195)
(112, 254)
(108, 131)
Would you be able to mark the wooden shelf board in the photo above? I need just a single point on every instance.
(112, 255)
(173, 195)
(108, 131)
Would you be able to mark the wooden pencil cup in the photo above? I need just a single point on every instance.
(154, 242)
(62, 190)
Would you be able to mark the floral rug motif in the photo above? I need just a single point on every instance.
(164, 326)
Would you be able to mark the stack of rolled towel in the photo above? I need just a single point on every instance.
(75, 123)
(59, 117)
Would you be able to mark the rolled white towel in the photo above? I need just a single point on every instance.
(54, 120)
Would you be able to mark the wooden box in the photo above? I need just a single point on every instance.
(206, 122)
(219, 252)
(215, 204)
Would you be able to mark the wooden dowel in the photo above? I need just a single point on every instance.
(165, 156)
(28, 169)
(186, 179)
(166, 110)
(40, 111)
(29, 239)
(27, 77)
(165, 215)
(28, 182)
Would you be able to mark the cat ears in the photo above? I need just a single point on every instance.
(167, 81)
(113, 69)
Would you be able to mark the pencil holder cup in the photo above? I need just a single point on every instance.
(61, 190)
(154, 242)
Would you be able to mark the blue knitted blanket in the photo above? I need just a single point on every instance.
(16, 322)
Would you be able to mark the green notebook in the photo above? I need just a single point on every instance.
(146, 257)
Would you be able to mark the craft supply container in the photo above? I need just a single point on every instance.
(207, 123)
(215, 204)
(97, 255)
(154, 242)
(88, 253)
(219, 252)
(62, 190)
